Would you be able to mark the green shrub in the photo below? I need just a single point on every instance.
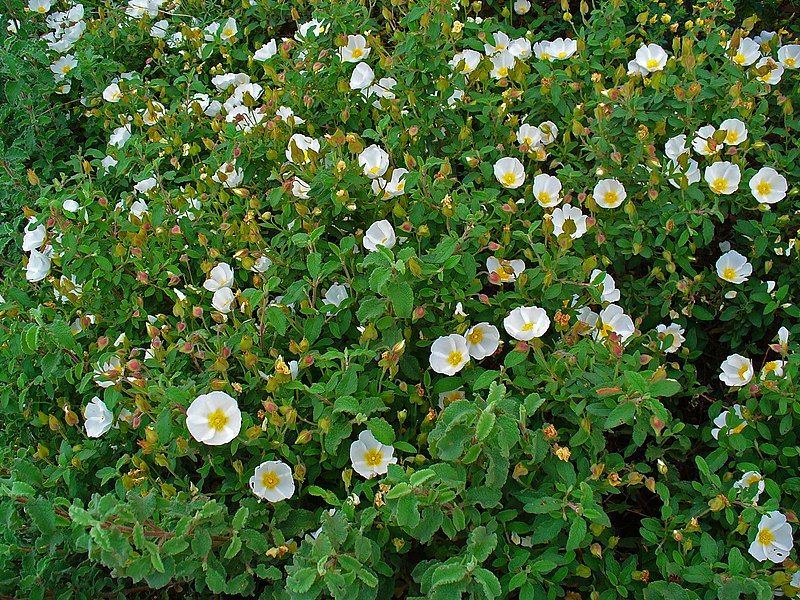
(268, 335)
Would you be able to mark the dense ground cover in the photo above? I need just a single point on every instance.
(399, 299)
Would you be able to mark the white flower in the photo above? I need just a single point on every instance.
(612, 319)
(355, 50)
(228, 30)
(675, 147)
(362, 77)
(108, 162)
(774, 72)
(286, 113)
(313, 26)
(635, 69)
(526, 322)
(145, 185)
(272, 481)
(547, 190)
(261, 265)
(300, 188)
(153, 112)
(768, 186)
(773, 539)
(561, 48)
(219, 277)
(506, 270)
(501, 42)
(459, 311)
(692, 173)
(749, 479)
(63, 66)
(733, 267)
(98, 419)
(112, 93)
(736, 371)
(675, 331)
(764, 36)
(723, 177)
(335, 295)
(722, 422)
(108, 373)
(651, 58)
(470, 58)
(703, 142)
(70, 205)
(33, 239)
(395, 186)
(138, 209)
(569, 217)
(775, 367)
(228, 175)
(509, 172)
(369, 457)
(159, 29)
(374, 160)
(783, 341)
(747, 53)
(223, 299)
(39, 6)
(610, 293)
(735, 131)
(266, 51)
(549, 132)
(520, 48)
(789, 56)
(449, 354)
(38, 265)
(529, 135)
(502, 64)
(304, 145)
(119, 136)
(214, 418)
(482, 340)
(380, 233)
(521, 7)
(609, 193)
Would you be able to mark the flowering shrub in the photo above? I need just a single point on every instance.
(421, 300)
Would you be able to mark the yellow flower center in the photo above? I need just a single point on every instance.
(509, 178)
(41, 9)
(562, 54)
(66, 69)
(527, 327)
(790, 61)
(544, 198)
(763, 188)
(217, 419)
(719, 185)
(765, 537)
(545, 56)
(652, 63)
(610, 197)
(455, 358)
(739, 59)
(605, 330)
(751, 480)
(729, 273)
(475, 336)
(742, 372)
(373, 457)
(502, 71)
(270, 480)
(374, 170)
(731, 137)
(227, 32)
(358, 53)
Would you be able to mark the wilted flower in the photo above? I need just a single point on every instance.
(750, 479)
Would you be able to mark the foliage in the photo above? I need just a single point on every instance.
(577, 464)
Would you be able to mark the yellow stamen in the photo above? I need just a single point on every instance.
(270, 480)
(729, 273)
(509, 178)
(475, 336)
(719, 185)
(217, 419)
(765, 537)
(763, 188)
(455, 358)
(373, 457)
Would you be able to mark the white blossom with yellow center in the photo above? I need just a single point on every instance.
(369, 457)
(273, 481)
(214, 418)
(449, 354)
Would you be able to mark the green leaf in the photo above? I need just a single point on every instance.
(488, 582)
(215, 581)
(577, 531)
(240, 518)
(42, 514)
(623, 413)
(382, 431)
(485, 424)
(233, 548)
(447, 573)
(402, 298)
